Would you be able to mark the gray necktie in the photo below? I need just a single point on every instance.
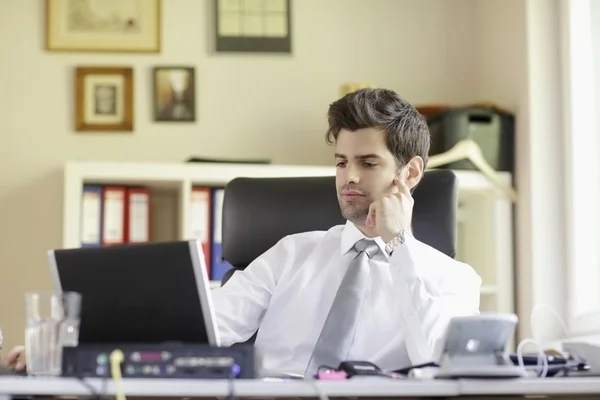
(336, 337)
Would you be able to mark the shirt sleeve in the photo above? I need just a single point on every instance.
(434, 288)
(241, 303)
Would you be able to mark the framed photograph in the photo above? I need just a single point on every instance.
(104, 99)
(174, 94)
(261, 26)
(103, 25)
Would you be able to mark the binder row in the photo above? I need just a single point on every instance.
(113, 215)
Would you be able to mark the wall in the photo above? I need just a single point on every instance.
(519, 66)
(582, 166)
(595, 5)
(595, 12)
(249, 105)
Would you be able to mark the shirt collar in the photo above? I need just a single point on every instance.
(352, 234)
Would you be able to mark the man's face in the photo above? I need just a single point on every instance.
(365, 170)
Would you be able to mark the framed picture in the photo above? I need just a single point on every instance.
(104, 99)
(103, 25)
(262, 26)
(174, 94)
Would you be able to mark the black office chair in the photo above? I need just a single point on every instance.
(258, 212)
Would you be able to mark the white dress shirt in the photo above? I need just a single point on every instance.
(288, 292)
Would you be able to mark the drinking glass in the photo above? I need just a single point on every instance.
(51, 322)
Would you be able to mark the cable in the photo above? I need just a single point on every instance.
(541, 307)
(231, 389)
(535, 339)
(541, 356)
(116, 358)
(233, 374)
(322, 395)
(92, 389)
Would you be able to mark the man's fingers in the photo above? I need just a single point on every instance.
(20, 365)
(371, 216)
(402, 186)
(16, 357)
(12, 357)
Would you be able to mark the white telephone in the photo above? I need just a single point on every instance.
(475, 347)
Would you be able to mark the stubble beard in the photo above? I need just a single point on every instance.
(355, 212)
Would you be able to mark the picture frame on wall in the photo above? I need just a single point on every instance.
(174, 93)
(104, 99)
(262, 26)
(132, 26)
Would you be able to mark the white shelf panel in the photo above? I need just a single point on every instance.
(474, 180)
(219, 174)
(485, 215)
(196, 173)
(489, 290)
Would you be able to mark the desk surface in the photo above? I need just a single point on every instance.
(368, 387)
(372, 387)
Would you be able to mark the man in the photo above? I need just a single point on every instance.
(366, 290)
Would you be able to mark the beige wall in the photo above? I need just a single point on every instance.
(596, 38)
(248, 105)
(519, 53)
(430, 51)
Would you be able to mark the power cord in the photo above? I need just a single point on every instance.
(233, 372)
(231, 389)
(116, 358)
(96, 395)
(535, 339)
(322, 395)
(541, 356)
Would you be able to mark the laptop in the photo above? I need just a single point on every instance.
(139, 293)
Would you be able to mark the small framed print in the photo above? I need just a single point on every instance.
(132, 26)
(174, 94)
(259, 26)
(104, 99)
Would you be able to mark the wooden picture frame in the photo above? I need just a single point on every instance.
(256, 27)
(174, 93)
(132, 26)
(104, 99)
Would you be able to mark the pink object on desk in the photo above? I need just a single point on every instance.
(330, 375)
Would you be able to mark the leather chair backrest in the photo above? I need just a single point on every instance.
(258, 212)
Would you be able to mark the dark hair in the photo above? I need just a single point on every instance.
(406, 131)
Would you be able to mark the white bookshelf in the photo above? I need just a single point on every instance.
(485, 227)
(485, 241)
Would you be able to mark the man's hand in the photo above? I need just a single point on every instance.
(15, 359)
(392, 213)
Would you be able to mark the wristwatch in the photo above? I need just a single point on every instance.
(397, 241)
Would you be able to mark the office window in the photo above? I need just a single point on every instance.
(581, 55)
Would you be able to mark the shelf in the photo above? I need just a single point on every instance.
(485, 216)
(160, 173)
(489, 290)
(175, 173)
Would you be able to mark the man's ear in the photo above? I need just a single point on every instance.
(414, 171)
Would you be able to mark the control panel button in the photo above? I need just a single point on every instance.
(102, 359)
